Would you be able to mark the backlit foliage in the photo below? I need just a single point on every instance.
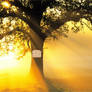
(55, 18)
(13, 36)
(14, 32)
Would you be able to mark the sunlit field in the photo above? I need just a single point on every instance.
(12, 66)
(20, 76)
(12, 70)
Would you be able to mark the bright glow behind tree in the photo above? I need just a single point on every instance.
(15, 56)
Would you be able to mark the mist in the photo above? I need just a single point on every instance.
(69, 60)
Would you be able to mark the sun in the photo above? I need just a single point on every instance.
(5, 4)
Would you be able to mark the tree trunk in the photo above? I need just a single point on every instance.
(39, 61)
(37, 44)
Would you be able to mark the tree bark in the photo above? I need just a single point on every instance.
(37, 44)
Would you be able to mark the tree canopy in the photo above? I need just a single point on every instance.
(13, 36)
(44, 17)
(64, 11)
(49, 15)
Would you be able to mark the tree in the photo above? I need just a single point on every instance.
(34, 20)
(45, 18)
